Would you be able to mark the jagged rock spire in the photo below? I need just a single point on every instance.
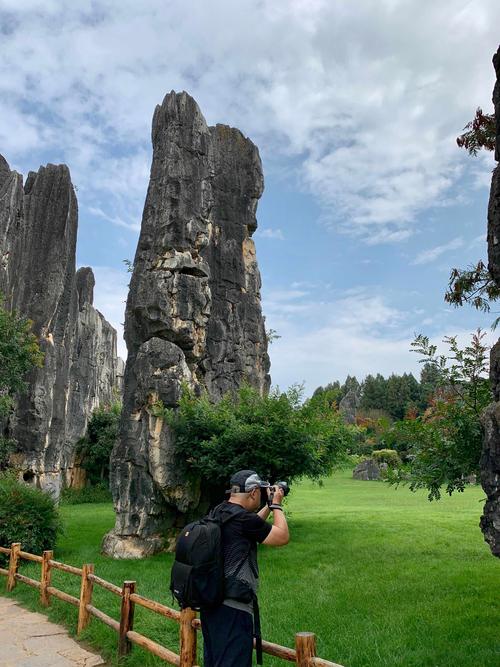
(193, 312)
(38, 230)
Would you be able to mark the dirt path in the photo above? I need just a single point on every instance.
(28, 639)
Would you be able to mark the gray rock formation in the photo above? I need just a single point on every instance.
(494, 203)
(38, 229)
(490, 459)
(348, 406)
(369, 470)
(193, 312)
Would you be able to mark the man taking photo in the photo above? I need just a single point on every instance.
(228, 630)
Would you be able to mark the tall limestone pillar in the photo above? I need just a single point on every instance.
(38, 233)
(193, 312)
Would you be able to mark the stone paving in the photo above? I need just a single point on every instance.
(28, 639)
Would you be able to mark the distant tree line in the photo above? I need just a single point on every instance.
(398, 395)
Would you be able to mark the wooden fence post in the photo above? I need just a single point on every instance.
(15, 548)
(45, 578)
(188, 638)
(85, 597)
(126, 618)
(305, 646)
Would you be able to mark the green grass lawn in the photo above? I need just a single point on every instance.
(382, 576)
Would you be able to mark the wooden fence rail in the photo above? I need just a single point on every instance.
(304, 654)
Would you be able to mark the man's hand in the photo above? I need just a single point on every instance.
(278, 496)
(279, 535)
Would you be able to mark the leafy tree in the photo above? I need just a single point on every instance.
(444, 444)
(475, 285)
(373, 424)
(19, 353)
(396, 396)
(332, 393)
(373, 394)
(7, 447)
(463, 373)
(277, 435)
(402, 393)
(429, 383)
(480, 133)
(95, 448)
(335, 392)
(272, 335)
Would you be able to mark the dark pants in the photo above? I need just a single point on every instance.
(227, 637)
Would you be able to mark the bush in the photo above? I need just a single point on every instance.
(389, 456)
(19, 353)
(7, 447)
(276, 435)
(99, 493)
(445, 451)
(401, 437)
(352, 460)
(95, 448)
(27, 515)
(373, 426)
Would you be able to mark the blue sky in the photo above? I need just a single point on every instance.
(354, 107)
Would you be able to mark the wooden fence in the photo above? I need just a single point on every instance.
(303, 655)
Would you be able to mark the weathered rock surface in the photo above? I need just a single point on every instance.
(348, 406)
(369, 470)
(193, 312)
(490, 459)
(494, 203)
(38, 229)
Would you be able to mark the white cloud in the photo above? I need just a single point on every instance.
(479, 240)
(431, 254)
(133, 226)
(356, 333)
(270, 233)
(366, 97)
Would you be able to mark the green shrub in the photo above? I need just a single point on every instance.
(98, 493)
(276, 435)
(445, 443)
(7, 447)
(94, 449)
(362, 446)
(444, 449)
(19, 353)
(352, 460)
(27, 515)
(389, 456)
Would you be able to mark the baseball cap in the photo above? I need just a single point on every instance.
(246, 480)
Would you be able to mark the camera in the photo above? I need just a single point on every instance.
(272, 490)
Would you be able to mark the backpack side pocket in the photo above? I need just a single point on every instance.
(180, 583)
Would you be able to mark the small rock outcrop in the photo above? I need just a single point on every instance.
(38, 230)
(369, 470)
(490, 459)
(193, 312)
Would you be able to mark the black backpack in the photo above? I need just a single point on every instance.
(197, 577)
